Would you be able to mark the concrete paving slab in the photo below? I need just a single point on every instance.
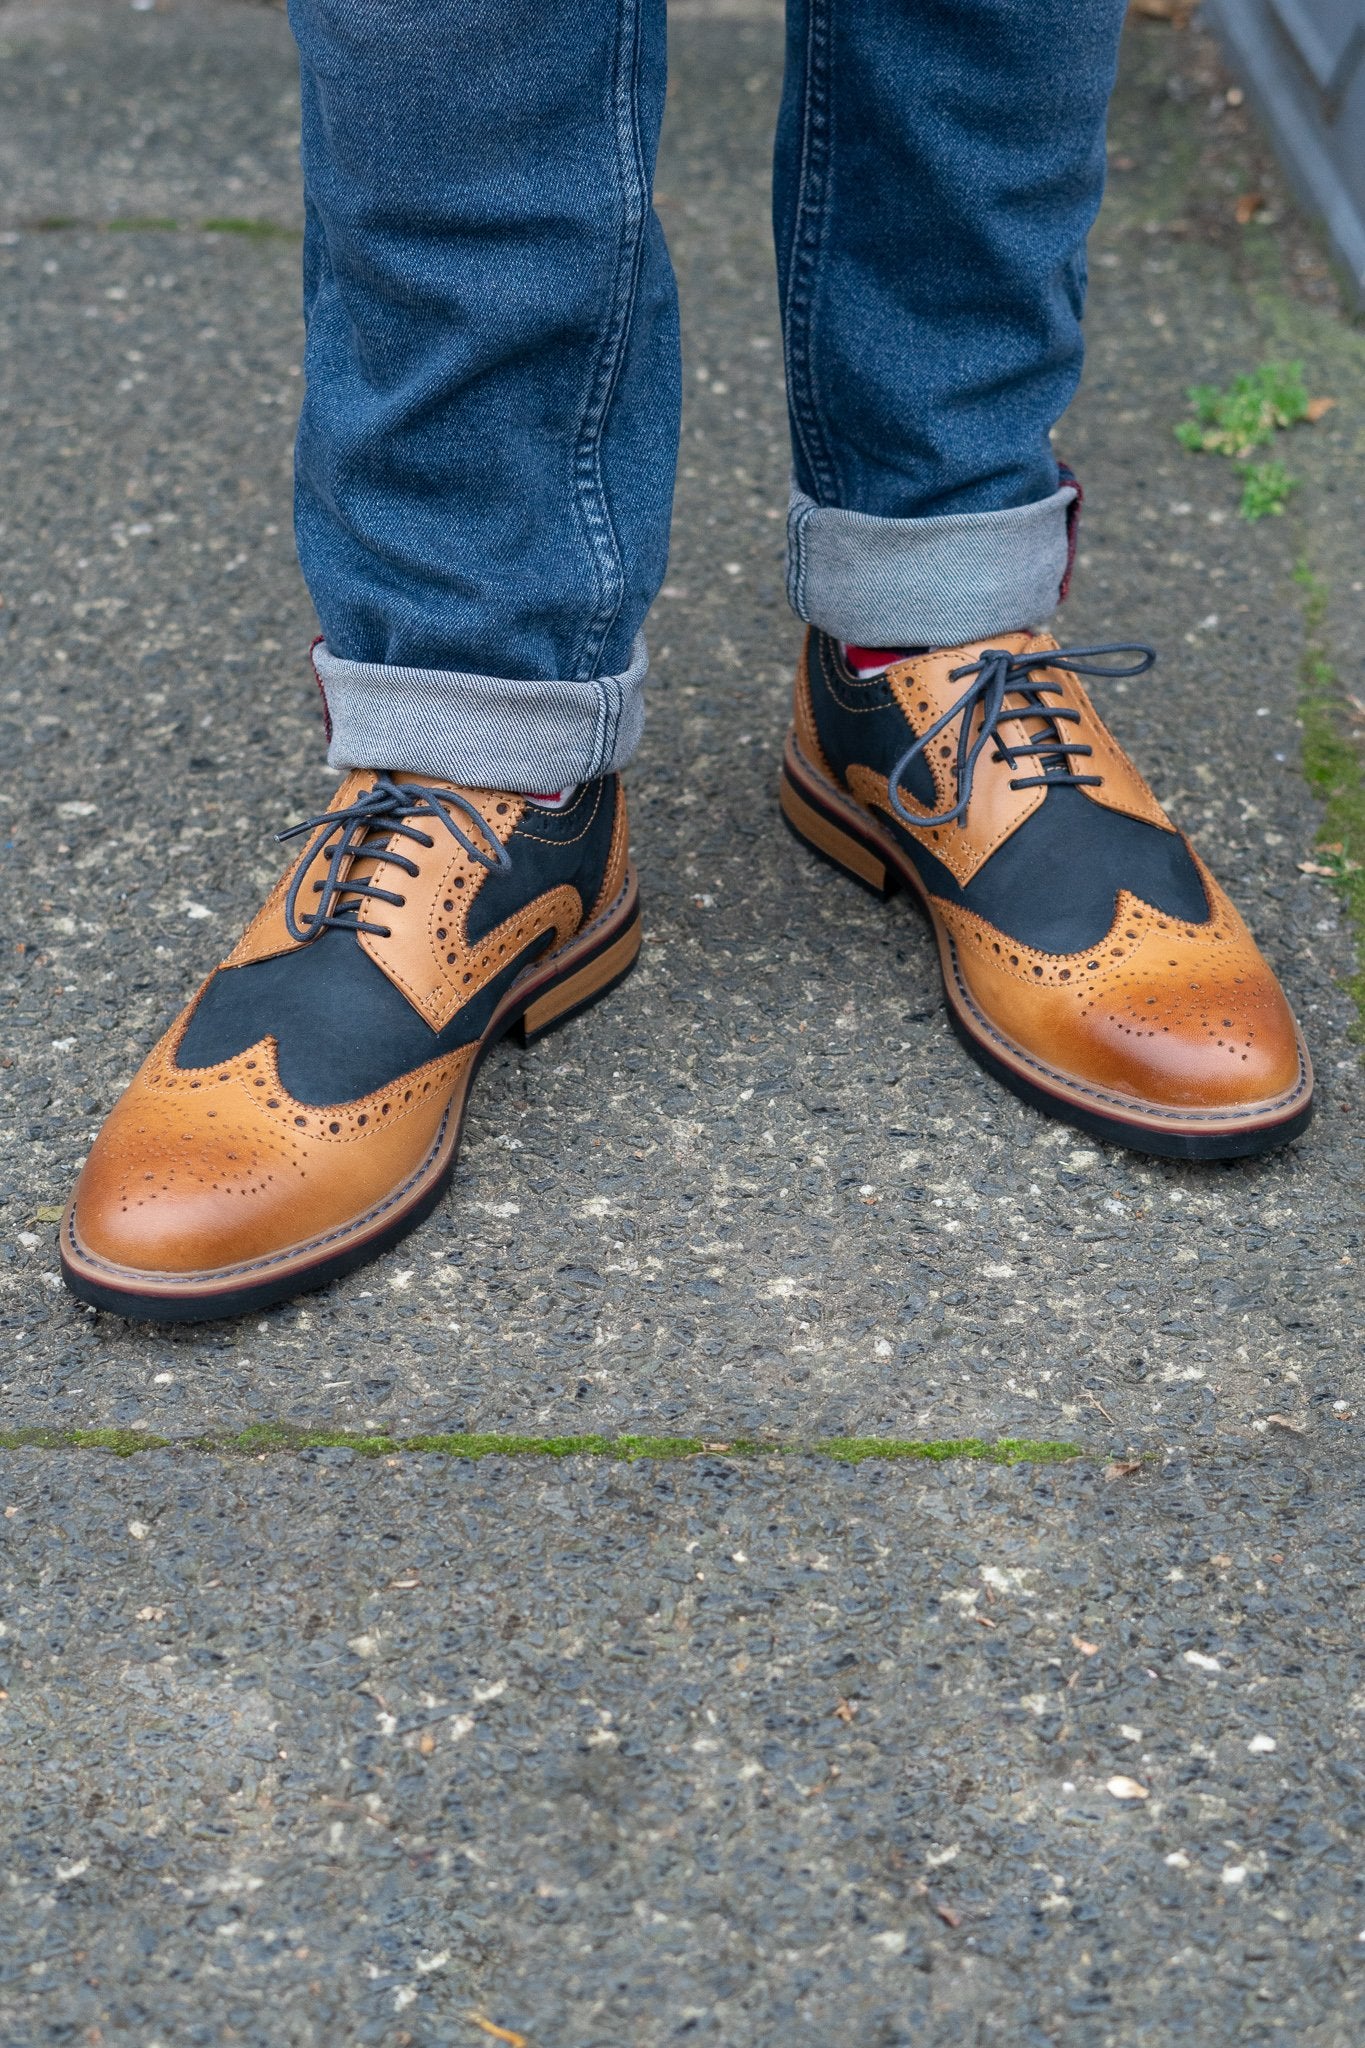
(312, 1751)
(187, 111)
(799, 1207)
(312, 1747)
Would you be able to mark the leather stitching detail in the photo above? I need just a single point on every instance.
(340, 1233)
(542, 839)
(1194, 1117)
(1019, 961)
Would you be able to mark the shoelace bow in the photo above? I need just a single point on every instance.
(996, 675)
(370, 827)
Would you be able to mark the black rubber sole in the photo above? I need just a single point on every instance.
(1248, 1142)
(166, 1308)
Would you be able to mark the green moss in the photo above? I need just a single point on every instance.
(121, 1443)
(263, 1437)
(1236, 422)
(1334, 766)
(163, 224)
(853, 1450)
(258, 230)
(1266, 488)
(277, 1438)
(1248, 413)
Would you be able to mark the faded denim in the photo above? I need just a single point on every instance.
(485, 459)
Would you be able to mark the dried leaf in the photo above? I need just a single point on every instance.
(1248, 206)
(1315, 867)
(1316, 408)
(47, 1214)
(846, 1711)
(1126, 1788)
(478, 2019)
(1122, 1468)
(949, 1916)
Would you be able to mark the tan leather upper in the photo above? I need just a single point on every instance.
(210, 1167)
(1185, 1016)
(924, 690)
(199, 1170)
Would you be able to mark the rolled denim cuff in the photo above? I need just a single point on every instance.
(491, 732)
(926, 582)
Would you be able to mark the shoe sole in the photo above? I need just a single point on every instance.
(589, 967)
(829, 822)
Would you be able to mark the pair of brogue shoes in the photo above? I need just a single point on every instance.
(304, 1111)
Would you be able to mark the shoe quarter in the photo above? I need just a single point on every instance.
(428, 952)
(1122, 788)
(925, 690)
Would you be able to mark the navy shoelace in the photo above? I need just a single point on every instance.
(998, 674)
(369, 827)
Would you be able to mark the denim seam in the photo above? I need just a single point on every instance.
(796, 556)
(589, 487)
(808, 234)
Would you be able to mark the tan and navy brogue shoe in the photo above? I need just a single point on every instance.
(1091, 961)
(304, 1111)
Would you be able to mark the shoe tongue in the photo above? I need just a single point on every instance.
(1036, 723)
(927, 686)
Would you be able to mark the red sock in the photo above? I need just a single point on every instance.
(874, 661)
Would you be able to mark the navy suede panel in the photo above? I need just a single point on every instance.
(861, 721)
(547, 849)
(1054, 884)
(341, 1026)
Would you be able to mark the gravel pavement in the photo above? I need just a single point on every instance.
(312, 1748)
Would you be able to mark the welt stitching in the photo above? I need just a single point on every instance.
(1017, 1052)
(980, 1022)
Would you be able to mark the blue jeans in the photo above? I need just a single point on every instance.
(486, 453)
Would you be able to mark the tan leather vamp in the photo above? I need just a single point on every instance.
(206, 1168)
(924, 690)
(1188, 1015)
